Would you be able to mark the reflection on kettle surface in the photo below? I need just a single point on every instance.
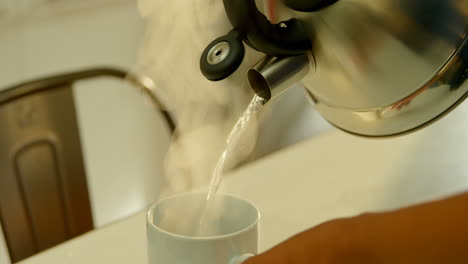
(441, 94)
(378, 67)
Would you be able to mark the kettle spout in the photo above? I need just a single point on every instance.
(271, 76)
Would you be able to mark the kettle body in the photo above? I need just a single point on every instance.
(372, 67)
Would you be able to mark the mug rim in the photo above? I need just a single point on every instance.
(219, 237)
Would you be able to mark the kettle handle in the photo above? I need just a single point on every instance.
(308, 5)
(287, 38)
(224, 55)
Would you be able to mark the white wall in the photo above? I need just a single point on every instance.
(123, 138)
(4, 257)
(288, 120)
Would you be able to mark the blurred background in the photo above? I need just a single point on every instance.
(119, 142)
(123, 140)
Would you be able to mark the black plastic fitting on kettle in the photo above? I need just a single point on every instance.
(224, 55)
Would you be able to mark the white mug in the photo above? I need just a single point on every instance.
(234, 240)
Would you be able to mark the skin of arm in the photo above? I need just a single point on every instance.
(433, 232)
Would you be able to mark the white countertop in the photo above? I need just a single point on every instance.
(330, 176)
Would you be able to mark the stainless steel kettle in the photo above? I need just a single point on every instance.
(372, 67)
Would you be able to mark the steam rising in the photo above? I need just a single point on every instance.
(176, 34)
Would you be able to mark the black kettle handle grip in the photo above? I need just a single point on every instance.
(287, 38)
(224, 55)
(308, 5)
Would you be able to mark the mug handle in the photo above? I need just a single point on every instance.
(240, 259)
